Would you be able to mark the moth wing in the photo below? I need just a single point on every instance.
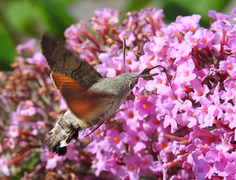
(82, 103)
(61, 60)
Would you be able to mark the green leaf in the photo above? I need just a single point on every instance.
(174, 8)
(18, 14)
(29, 166)
(7, 49)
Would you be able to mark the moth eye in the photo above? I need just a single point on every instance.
(131, 86)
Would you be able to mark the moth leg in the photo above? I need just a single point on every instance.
(95, 129)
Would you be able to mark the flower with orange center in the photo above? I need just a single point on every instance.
(204, 41)
(97, 132)
(144, 162)
(152, 58)
(191, 114)
(131, 115)
(163, 145)
(145, 106)
(132, 168)
(187, 74)
(175, 97)
(116, 140)
(230, 67)
(200, 94)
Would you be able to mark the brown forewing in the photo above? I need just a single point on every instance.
(62, 61)
(84, 104)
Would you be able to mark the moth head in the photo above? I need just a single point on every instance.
(128, 80)
(133, 81)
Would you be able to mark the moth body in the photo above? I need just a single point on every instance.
(119, 88)
(67, 127)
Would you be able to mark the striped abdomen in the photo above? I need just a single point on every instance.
(63, 132)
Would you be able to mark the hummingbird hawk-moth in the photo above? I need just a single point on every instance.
(90, 98)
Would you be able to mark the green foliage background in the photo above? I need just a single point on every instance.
(21, 20)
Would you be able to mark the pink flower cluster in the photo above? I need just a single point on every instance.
(187, 133)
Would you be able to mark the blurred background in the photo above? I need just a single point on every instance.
(21, 20)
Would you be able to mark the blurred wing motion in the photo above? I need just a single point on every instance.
(62, 61)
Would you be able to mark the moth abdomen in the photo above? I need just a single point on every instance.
(65, 130)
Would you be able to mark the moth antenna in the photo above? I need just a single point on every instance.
(124, 46)
(144, 74)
